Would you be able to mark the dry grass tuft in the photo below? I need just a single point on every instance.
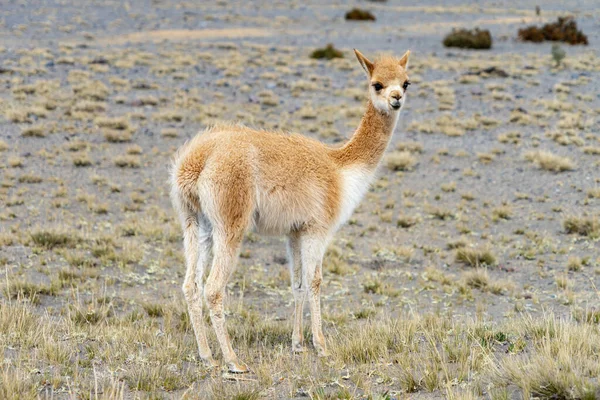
(119, 123)
(128, 161)
(169, 133)
(550, 162)
(33, 131)
(400, 161)
(584, 226)
(562, 361)
(82, 159)
(117, 136)
(478, 278)
(54, 238)
(475, 257)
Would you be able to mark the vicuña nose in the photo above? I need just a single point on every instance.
(396, 95)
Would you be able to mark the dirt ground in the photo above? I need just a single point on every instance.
(471, 269)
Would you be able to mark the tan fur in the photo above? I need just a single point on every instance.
(231, 177)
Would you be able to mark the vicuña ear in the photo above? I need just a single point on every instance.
(404, 59)
(365, 63)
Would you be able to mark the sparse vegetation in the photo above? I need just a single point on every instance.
(475, 257)
(128, 161)
(483, 217)
(328, 52)
(358, 14)
(33, 131)
(50, 239)
(582, 225)
(400, 161)
(563, 30)
(469, 39)
(550, 162)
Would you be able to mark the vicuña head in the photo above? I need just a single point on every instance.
(230, 178)
(388, 81)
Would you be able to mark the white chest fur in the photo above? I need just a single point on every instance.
(355, 183)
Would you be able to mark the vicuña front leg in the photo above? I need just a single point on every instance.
(313, 249)
(222, 267)
(298, 289)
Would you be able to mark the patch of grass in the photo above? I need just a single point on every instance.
(502, 212)
(134, 149)
(15, 162)
(90, 106)
(118, 123)
(364, 313)
(413, 147)
(358, 14)
(82, 160)
(17, 115)
(151, 378)
(28, 178)
(128, 161)
(377, 286)
(574, 264)
(592, 150)
(478, 278)
(168, 116)
(29, 290)
(117, 136)
(154, 310)
(147, 101)
(590, 316)
(400, 161)
(33, 131)
(469, 39)
(406, 221)
(594, 193)
(90, 315)
(334, 262)
(584, 226)
(475, 257)
(563, 30)
(550, 162)
(563, 361)
(328, 52)
(92, 90)
(16, 383)
(252, 329)
(169, 133)
(51, 239)
(440, 213)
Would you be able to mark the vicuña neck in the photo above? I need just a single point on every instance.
(367, 145)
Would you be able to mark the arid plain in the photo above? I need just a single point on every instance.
(470, 270)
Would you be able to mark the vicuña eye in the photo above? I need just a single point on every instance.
(377, 86)
(405, 86)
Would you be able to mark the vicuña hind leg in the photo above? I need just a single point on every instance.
(312, 249)
(197, 245)
(298, 289)
(225, 257)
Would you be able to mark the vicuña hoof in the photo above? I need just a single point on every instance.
(237, 367)
(210, 363)
(297, 348)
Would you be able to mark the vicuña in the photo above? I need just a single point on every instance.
(230, 178)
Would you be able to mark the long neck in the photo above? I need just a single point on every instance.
(367, 145)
